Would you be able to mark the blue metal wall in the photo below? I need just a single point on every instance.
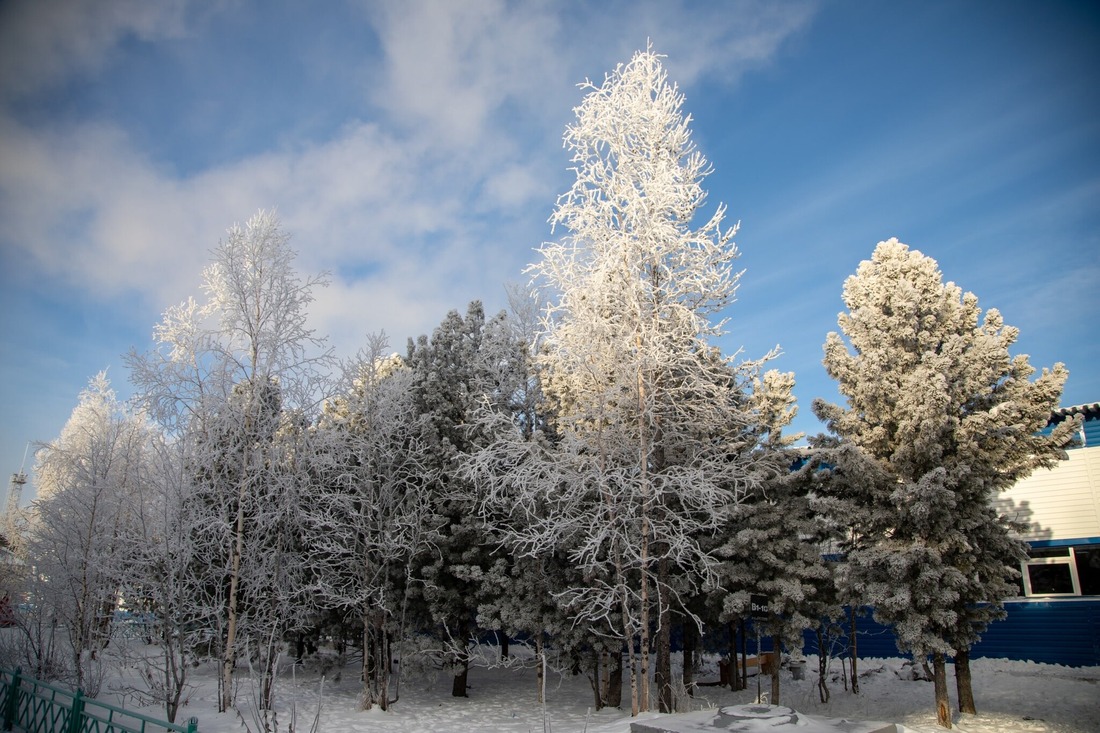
(1055, 631)
(1092, 432)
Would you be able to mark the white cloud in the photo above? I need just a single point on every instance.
(438, 201)
(720, 41)
(449, 67)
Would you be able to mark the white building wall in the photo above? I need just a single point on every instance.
(1061, 503)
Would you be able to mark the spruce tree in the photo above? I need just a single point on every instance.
(950, 418)
(468, 365)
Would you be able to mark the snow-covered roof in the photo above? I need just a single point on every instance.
(1089, 409)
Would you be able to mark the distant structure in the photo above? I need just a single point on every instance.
(15, 495)
(12, 515)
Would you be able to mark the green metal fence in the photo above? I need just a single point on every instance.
(31, 706)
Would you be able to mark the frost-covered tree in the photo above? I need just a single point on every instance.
(86, 480)
(160, 584)
(229, 372)
(655, 441)
(468, 365)
(772, 544)
(950, 418)
(370, 517)
(775, 551)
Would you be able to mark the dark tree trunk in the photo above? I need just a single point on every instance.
(502, 640)
(375, 674)
(775, 671)
(943, 705)
(853, 653)
(963, 682)
(540, 679)
(662, 676)
(614, 697)
(822, 668)
(733, 675)
(691, 639)
(458, 687)
(744, 682)
(597, 699)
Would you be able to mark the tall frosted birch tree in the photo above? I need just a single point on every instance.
(655, 431)
(81, 521)
(226, 371)
(949, 418)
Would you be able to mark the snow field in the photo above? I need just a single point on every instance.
(1011, 696)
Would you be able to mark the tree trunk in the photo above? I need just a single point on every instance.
(540, 680)
(744, 683)
(775, 671)
(643, 647)
(376, 669)
(663, 673)
(614, 696)
(963, 682)
(367, 701)
(943, 705)
(458, 686)
(605, 675)
(633, 665)
(597, 698)
(691, 636)
(733, 677)
(854, 652)
(502, 640)
(822, 668)
(383, 667)
(229, 654)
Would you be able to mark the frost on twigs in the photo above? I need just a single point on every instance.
(653, 435)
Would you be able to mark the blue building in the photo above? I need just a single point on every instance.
(1056, 617)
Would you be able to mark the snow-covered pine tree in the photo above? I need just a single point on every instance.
(228, 372)
(469, 364)
(654, 447)
(951, 418)
(831, 493)
(771, 543)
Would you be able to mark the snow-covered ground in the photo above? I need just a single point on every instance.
(1012, 697)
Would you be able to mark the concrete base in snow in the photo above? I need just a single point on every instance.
(757, 719)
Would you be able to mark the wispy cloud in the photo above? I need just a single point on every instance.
(438, 198)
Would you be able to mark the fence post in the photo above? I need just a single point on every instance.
(193, 725)
(11, 705)
(76, 717)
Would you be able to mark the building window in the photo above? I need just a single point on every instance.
(1061, 571)
(1088, 569)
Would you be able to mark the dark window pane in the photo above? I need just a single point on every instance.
(1050, 579)
(1088, 570)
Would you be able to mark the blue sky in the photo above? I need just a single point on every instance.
(413, 149)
